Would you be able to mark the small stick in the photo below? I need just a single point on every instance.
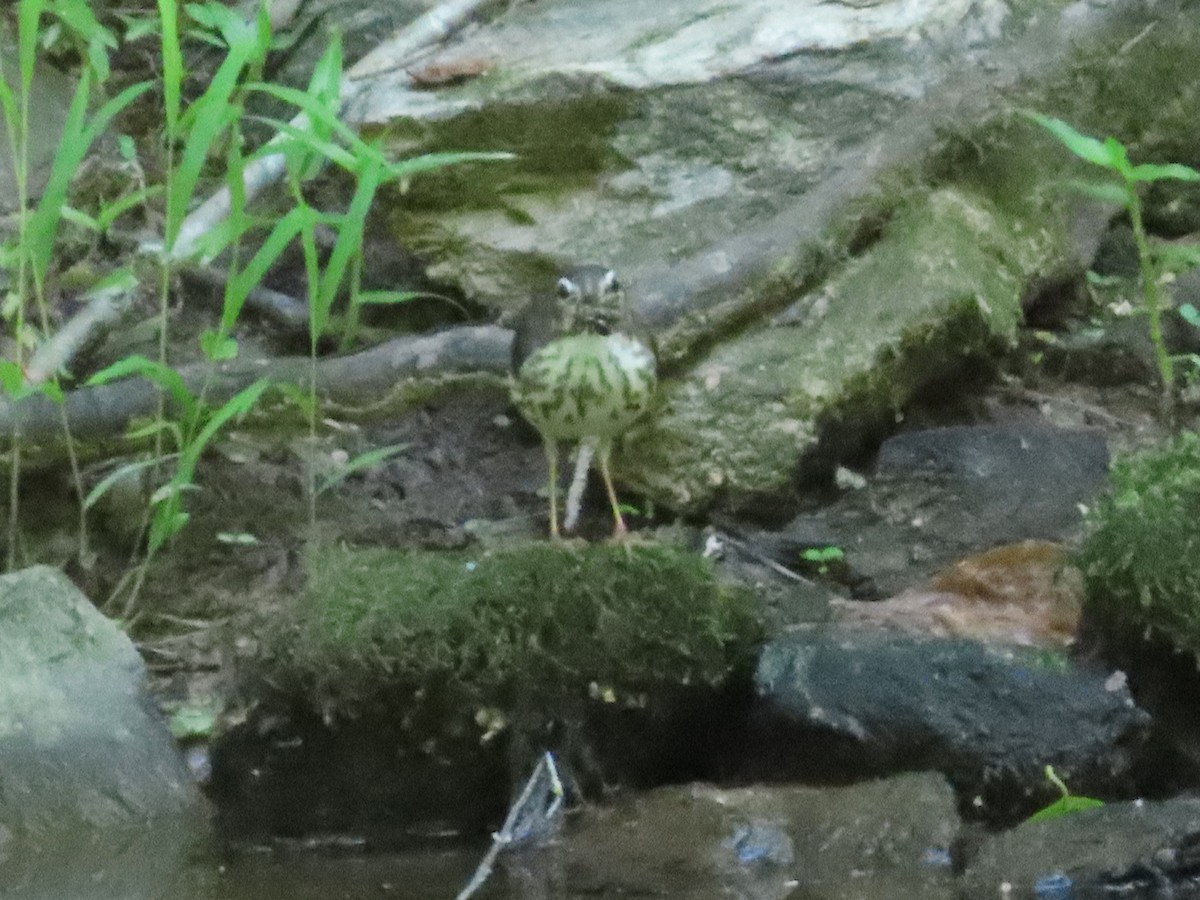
(506, 836)
(105, 306)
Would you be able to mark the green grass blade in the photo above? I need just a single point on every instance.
(70, 153)
(29, 15)
(152, 370)
(1104, 191)
(235, 407)
(360, 462)
(210, 115)
(78, 17)
(172, 62)
(1087, 148)
(349, 239)
(122, 205)
(105, 484)
(326, 119)
(12, 119)
(307, 142)
(240, 286)
(1156, 172)
(44, 222)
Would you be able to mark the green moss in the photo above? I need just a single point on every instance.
(1141, 554)
(939, 287)
(539, 621)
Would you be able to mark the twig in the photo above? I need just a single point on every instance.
(745, 548)
(508, 835)
(282, 309)
(361, 383)
(105, 306)
(433, 27)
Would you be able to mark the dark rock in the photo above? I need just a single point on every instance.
(847, 702)
(943, 493)
(1121, 850)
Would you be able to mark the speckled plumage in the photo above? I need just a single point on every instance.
(584, 371)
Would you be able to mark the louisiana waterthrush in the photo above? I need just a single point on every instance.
(584, 371)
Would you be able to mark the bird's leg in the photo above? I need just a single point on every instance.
(602, 452)
(552, 485)
(583, 462)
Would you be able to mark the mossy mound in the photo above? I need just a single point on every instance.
(537, 622)
(1141, 554)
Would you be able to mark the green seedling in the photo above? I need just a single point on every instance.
(1153, 260)
(1064, 805)
(822, 557)
(193, 427)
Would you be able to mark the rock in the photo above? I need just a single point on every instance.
(1022, 481)
(1021, 594)
(50, 97)
(88, 761)
(855, 701)
(878, 839)
(749, 419)
(727, 159)
(940, 494)
(1137, 849)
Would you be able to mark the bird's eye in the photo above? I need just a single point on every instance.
(609, 283)
(566, 288)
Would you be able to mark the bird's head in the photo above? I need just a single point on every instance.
(592, 299)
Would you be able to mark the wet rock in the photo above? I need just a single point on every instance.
(941, 494)
(1121, 850)
(87, 760)
(1021, 594)
(878, 839)
(848, 701)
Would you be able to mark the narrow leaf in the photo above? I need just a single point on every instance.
(350, 235)
(67, 159)
(29, 14)
(360, 462)
(1081, 145)
(106, 483)
(172, 61)
(1104, 191)
(236, 406)
(1160, 172)
(296, 220)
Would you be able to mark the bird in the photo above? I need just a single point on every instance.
(584, 371)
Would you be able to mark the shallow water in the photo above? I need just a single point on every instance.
(175, 861)
(413, 875)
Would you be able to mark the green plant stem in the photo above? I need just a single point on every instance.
(1151, 297)
(19, 146)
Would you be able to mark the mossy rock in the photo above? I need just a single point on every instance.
(1141, 553)
(538, 622)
